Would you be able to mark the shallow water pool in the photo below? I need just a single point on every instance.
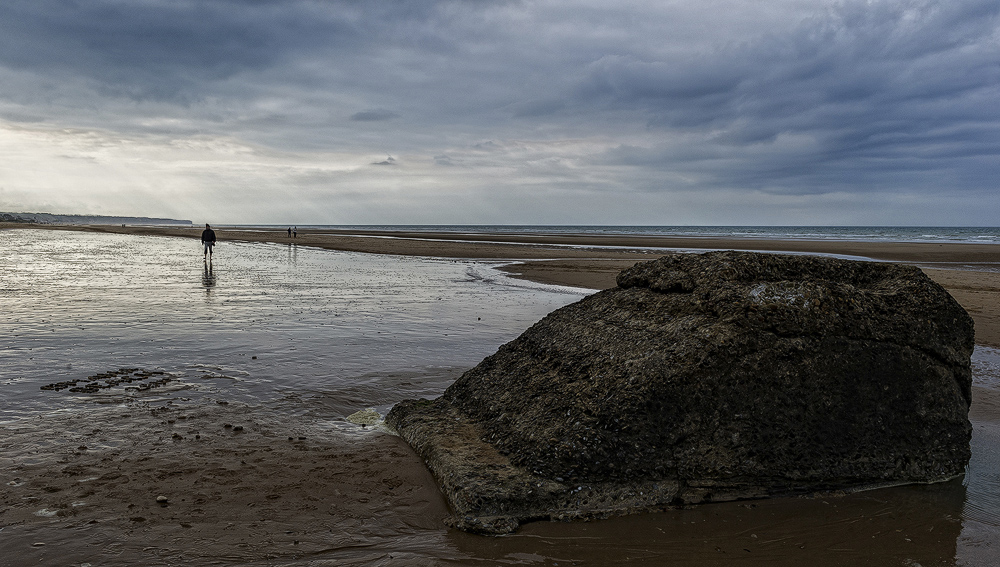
(259, 322)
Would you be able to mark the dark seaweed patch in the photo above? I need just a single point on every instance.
(142, 380)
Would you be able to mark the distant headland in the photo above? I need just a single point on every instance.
(49, 218)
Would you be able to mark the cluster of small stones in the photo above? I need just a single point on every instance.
(104, 380)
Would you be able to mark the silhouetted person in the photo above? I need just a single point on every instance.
(289, 232)
(208, 239)
(295, 232)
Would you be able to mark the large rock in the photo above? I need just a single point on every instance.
(707, 377)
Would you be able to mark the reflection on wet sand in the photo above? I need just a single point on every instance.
(208, 277)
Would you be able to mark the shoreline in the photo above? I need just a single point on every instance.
(528, 246)
(253, 484)
(970, 272)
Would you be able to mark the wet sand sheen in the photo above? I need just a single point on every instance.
(347, 496)
(971, 272)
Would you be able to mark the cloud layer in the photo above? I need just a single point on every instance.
(715, 112)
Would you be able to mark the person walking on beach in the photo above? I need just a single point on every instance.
(208, 239)
(289, 232)
(295, 232)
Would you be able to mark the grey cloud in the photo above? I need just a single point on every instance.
(21, 117)
(143, 48)
(629, 78)
(487, 146)
(789, 96)
(376, 115)
(221, 66)
(882, 91)
(164, 50)
(537, 108)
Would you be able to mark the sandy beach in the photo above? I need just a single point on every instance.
(83, 488)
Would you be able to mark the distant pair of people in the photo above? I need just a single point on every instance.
(293, 232)
(208, 239)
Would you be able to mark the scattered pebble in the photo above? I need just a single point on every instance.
(237, 428)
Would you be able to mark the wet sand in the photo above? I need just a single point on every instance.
(82, 488)
(240, 488)
(279, 491)
(255, 497)
(970, 272)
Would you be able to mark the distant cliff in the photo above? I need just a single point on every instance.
(49, 218)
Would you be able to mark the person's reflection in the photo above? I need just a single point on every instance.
(208, 278)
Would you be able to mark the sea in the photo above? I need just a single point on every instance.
(268, 325)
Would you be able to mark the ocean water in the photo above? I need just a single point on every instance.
(309, 336)
(976, 235)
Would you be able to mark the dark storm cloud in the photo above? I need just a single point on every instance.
(160, 48)
(877, 92)
(147, 48)
(790, 97)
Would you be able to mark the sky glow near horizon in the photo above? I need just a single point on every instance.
(536, 112)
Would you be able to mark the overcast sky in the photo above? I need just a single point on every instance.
(523, 112)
